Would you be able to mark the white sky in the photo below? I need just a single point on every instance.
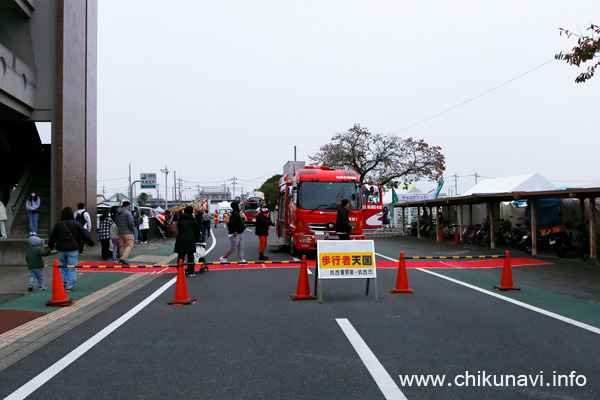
(217, 89)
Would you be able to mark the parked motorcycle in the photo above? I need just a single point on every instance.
(573, 240)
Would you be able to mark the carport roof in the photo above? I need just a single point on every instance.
(579, 193)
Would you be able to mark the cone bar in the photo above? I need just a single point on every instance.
(59, 294)
(506, 283)
(456, 236)
(181, 291)
(303, 290)
(402, 281)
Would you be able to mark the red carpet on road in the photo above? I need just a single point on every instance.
(487, 263)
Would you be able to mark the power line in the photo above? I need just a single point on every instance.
(473, 98)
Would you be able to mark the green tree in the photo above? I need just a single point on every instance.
(588, 48)
(142, 198)
(380, 159)
(271, 190)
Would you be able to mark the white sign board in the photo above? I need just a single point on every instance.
(343, 259)
(148, 181)
(416, 197)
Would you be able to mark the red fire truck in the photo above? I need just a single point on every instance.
(372, 197)
(252, 204)
(308, 201)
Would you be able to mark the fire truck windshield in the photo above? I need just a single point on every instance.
(250, 207)
(328, 195)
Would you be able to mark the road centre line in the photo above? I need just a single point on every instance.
(64, 362)
(510, 300)
(518, 303)
(385, 382)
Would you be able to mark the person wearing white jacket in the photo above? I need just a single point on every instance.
(144, 227)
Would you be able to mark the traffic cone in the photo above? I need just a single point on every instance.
(303, 290)
(181, 291)
(59, 294)
(456, 236)
(402, 281)
(506, 283)
(441, 238)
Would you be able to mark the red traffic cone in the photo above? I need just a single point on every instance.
(59, 294)
(506, 283)
(303, 290)
(402, 281)
(456, 236)
(441, 238)
(181, 291)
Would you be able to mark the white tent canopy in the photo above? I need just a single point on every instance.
(519, 183)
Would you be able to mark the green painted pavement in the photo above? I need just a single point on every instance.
(86, 284)
(166, 250)
(579, 310)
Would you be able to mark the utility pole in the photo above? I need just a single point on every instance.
(179, 181)
(476, 177)
(455, 184)
(166, 172)
(233, 194)
(130, 196)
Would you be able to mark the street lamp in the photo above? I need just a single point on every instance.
(166, 172)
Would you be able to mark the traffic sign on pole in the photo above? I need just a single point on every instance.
(148, 181)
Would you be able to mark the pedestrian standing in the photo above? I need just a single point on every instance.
(236, 228)
(206, 224)
(263, 222)
(144, 227)
(66, 236)
(385, 220)
(114, 238)
(342, 223)
(187, 236)
(3, 218)
(136, 225)
(104, 234)
(32, 205)
(83, 217)
(226, 219)
(124, 221)
(35, 262)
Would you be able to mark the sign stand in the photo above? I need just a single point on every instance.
(345, 259)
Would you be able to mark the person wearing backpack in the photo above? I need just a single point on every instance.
(83, 217)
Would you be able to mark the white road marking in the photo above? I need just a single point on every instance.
(385, 382)
(510, 300)
(518, 303)
(64, 362)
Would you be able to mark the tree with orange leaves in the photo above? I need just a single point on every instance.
(588, 48)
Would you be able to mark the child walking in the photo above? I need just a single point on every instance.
(35, 262)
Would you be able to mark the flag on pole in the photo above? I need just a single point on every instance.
(394, 196)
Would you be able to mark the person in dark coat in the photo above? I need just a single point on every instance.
(68, 236)
(263, 221)
(342, 223)
(236, 228)
(187, 236)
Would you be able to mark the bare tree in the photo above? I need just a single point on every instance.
(380, 159)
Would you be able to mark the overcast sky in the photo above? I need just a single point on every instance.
(217, 89)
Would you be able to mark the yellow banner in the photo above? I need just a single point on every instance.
(346, 260)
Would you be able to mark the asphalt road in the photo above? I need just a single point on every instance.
(246, 339)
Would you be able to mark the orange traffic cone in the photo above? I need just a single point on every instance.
(402, 281)
(441, 238)
(59, 294)
(456, 236)
(181, 291)
(506, 282)
(303, 290)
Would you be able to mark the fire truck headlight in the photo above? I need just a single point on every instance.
(305, 239)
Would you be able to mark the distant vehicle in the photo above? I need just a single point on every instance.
(222, 207)
(251, 206)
